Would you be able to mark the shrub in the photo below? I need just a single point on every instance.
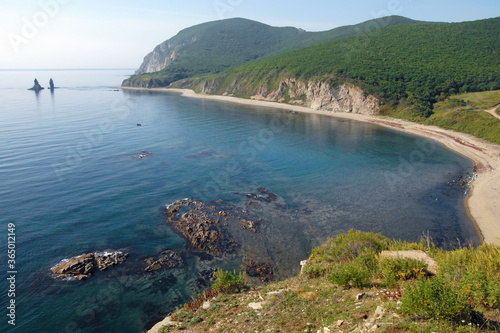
(349, 276)
(355, 274)
(228, 282)
(351, 259)
(165, 329)
(434, 298)
(314, 271)
(477, 272)
(394, 270)
(347, 247)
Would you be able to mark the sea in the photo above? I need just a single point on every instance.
(89, 168)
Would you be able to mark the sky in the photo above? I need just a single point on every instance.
(61, 34)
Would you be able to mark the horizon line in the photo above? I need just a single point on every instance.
(63, 69)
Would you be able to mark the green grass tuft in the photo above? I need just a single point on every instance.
(435, 299)
(228, 282)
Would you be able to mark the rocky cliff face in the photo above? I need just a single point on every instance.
(315, 94)
(148, 83)
(162, 56)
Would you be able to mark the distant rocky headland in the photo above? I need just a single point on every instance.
(37, 87)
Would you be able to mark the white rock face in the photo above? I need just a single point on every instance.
(319, 95)
(162, 56)
(315, 94)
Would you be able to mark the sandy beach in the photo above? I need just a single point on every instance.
(483, 201)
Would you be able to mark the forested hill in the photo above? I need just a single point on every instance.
(216, 46)
(416, 64)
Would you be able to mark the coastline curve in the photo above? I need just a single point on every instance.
(483, 200)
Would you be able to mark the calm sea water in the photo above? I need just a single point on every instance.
(71, 182)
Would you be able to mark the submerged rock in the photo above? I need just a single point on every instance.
(265, 195)
(85, 265)
(264, 271)
(142, 155)
(167, 258)
(249, 225)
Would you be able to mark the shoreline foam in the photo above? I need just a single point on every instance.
(483, 200)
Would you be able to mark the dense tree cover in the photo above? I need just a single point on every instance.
(352, 30)
(418, 64)
(216, 46)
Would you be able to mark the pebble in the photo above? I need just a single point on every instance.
(255, 306)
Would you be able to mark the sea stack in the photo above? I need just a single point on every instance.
(51, 84)
(36, 87)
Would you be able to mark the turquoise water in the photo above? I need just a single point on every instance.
(72, 183)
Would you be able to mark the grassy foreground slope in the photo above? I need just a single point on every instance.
(415, 65)
(349, 286)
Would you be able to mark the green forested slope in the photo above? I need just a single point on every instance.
(216, 46)
(415, 64)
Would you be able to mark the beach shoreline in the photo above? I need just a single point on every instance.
(482, 202)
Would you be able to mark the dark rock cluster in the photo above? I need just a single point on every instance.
(201, 225)
(213, 227)
(86, 265)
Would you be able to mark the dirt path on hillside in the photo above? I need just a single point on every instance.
(494, 112)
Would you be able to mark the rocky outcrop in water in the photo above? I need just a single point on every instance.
(36, 86)
(86, 265)
(201, 225)
(105, 261)
(213, 227)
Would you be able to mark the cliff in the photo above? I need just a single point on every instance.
(163, 55)
(315, 94)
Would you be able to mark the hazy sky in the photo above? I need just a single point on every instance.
(118, 34)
